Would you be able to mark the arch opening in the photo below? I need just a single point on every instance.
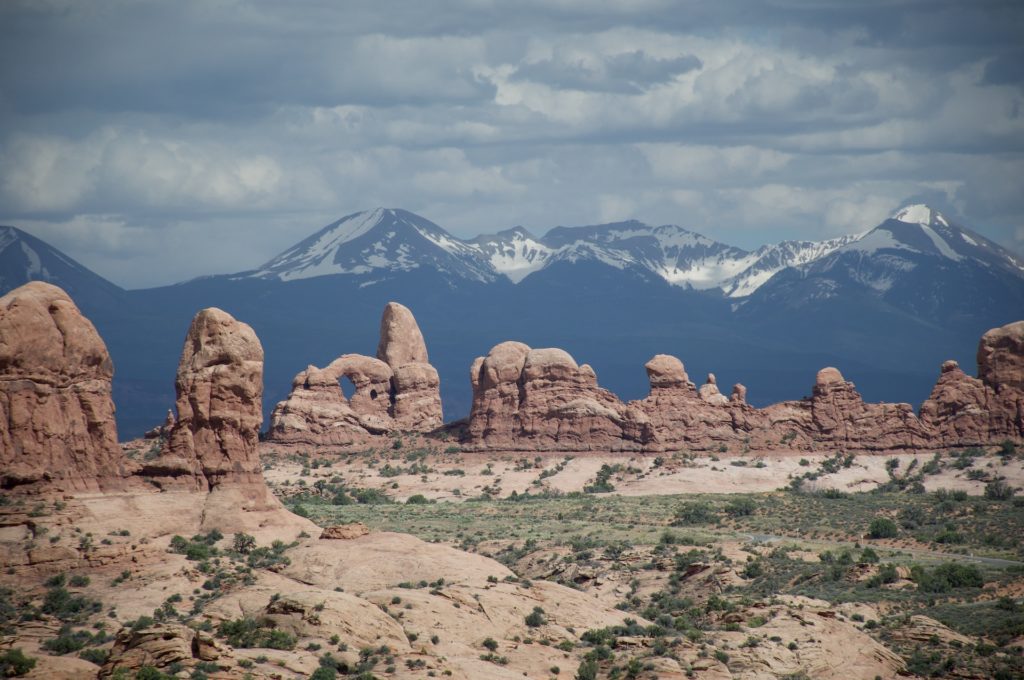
(348, 388)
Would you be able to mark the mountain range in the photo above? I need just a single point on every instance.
(886, 305)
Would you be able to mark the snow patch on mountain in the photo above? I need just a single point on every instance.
(940, 243)
(914, 214)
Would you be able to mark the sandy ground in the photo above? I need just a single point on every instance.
(457, 477)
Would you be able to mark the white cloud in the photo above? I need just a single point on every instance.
(117, 142)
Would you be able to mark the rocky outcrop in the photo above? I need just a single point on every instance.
(163, 645)
(162, 430)
(397, 391)
(709, 392)
(219, 401)
(540, 399)
(965, 411)
(57, 428)
(683, 416)
(1001, 357)
(344, 532)
(840, 418)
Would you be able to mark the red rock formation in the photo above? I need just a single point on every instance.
(57, 430)
(966, 411)
(1001, 357)
(840, 418)
(540, 400)
(219, 396)
(683, 417)
(397, 391)
(317, 413)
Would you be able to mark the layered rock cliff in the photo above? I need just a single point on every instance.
(57, 428)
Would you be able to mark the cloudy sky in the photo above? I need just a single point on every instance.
(157, 141)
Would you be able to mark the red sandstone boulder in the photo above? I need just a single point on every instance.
(219, 394)
(57, 429)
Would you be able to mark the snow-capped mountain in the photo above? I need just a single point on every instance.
(678, 256)
(385, 241)
(766, 261)
(377, 241)
(515, 252)
(25, 258)
(917, 261)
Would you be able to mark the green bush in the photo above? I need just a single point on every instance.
(947, 576)
(68, 640)
(883, 527)
(243, 543)
(14, 663)
(250, 632)
(536, 618)
(741, 507)
(94, 655)
(417, 499)
(587, 670)
(695, 512)
(999, 490)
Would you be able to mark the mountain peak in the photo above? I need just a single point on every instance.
(24, 258)
(373, 242)
(919, 213)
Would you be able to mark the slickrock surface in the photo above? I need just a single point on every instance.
(397, 391)
(219, 396)
(58, 430)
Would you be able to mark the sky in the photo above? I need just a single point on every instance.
(159, 141)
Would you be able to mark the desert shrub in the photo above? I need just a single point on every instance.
(693, 512)
(999, 490)
(883, 527)
(946, 576)
(94, 655)
(68, 640)
(14, 663)
(491, 644)
(417, 499)
(741, 507)
(587, 670)
(65, 606)
(200, 547)
(536, 618)
(249, 632)
(243, 543)
(602, 482)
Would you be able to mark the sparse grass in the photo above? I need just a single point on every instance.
(987, 527)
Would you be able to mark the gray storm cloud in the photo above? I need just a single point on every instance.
(138, 135)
